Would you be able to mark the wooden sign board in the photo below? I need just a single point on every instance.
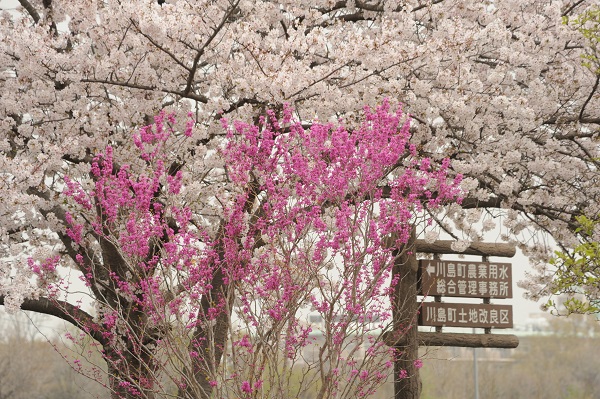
(473, 315)
(465, 279)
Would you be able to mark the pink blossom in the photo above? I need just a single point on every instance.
(418, 363)
(246, 387)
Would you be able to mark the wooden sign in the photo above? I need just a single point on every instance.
(465, 279)
(437, 314)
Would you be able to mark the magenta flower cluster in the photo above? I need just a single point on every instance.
(306, 220)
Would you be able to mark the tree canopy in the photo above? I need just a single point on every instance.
(497, 93)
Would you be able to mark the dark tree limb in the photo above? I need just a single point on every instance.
(64, 311)
(193, 69)
(159, 47)
(30, 10)
(589, 97)
(90, 262)
(184, 94)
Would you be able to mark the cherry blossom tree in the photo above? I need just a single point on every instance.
(294, 218)
(573, 271)
(497, 87)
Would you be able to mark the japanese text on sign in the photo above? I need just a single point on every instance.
(465, 279)
(465, 315)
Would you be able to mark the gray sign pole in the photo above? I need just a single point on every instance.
(475, 371)
(487, 331)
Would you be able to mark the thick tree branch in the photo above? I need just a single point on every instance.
(571, 7)
(91, 261)
(190, 80)
(472, 203)
(327, 76)
(65, 311)
(559, 120)
(369, 6)
(184, 94)
(589, 97)
(30, 10)
(161, 48)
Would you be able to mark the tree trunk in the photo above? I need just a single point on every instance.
(212, 343)
(131, 377)
(209, 340)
